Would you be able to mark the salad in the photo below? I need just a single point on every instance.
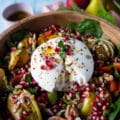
(67, 72)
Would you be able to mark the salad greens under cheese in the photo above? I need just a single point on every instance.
(61, 73)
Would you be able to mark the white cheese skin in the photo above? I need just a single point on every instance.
(77, 67)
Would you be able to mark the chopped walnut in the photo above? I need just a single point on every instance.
(71, 110)
(108, 77)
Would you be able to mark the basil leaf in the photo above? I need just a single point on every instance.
(90, 26)
(114, 110)
(61, 44)
(62, 55)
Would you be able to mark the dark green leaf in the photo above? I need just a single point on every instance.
(89, 26)
(63, 9)
(105, 113)
(114, 110)
(118, 47)
(62, 55)
(61, 44)
(53, 97)
(19, 35)
(10, 43)
(75, 7)
(71, 26)
(107, 16)
(28, 79)
(116, 73)
(32, 90)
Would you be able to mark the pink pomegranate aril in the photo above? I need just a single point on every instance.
(21, 118)
(26, 113)
(66, 38)
(105, 107)
(14, 96)
(71, 117)
(57, 49)
(43, 67)
(69, 53)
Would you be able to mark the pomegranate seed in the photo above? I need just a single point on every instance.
(26, 113)
(60, 103)
(14, 96)
(69, 53)
(71, 117)
(13, 48)
(71, 94)
(33, 83)
(75, 86)
(43, 67)
(26, 66)
(49, 47)
(105, 107)
(48, 63)
(21, 118)
(57, 49)
(66, 38)
(103, 118)
(22, 82)
(97, 98)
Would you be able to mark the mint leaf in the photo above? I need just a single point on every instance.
(114, 110)
(89, 26)
(62, 55)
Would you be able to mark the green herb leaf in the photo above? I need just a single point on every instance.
(116, 73)
(19, 35)
(61, 44)
(71, 26)
(28, 79)
(114, 110)
(63, 9)
(10, 44)
(53, 97)
(90, 26)
(62, 55)
(32, 90)
(106, 15)
(118, 47)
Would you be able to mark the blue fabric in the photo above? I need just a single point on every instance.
(36, 5)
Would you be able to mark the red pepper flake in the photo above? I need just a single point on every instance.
(57, 49)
